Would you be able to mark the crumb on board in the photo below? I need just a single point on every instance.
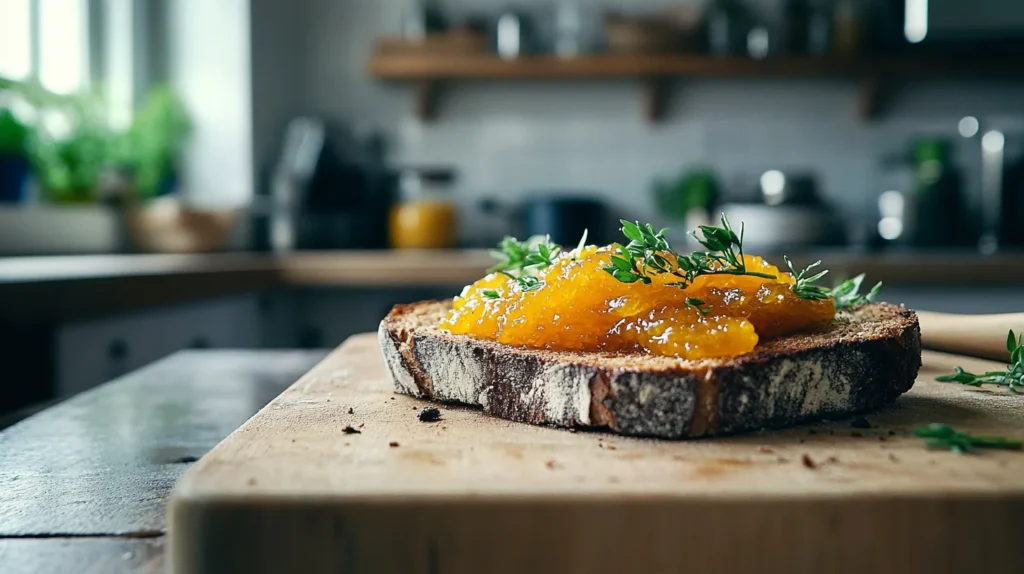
(350, 411)
(765, 449)
(860, 423)
(393, 444)
(430, 414)
(550, 464)
(808, 461)
(350, 430)
(251, 482)
(832, 460)
(893, 457)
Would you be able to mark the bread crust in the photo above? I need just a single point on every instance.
(861, 362)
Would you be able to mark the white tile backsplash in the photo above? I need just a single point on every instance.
(511, 139)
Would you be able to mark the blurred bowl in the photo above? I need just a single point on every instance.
(769, 229)
(165, 226)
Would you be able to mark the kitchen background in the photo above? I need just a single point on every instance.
(257, 145)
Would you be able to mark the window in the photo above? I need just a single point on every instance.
(45, 41)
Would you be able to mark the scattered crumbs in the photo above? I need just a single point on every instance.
(808, 461)
(832, 460)
(350, 430)
(392, 398)
(444, 427)
(856, 434)
(251, 482)
(860, 423)
(550, 464)
(293, 440)
(600, 445)
(360, 425)
(812, 431)
(328, 400)
(678, 457)
(893, 457)
(765, 449)
(892, 433)
(350, 411)
(610, 447)
(393, 444)
(430, 414)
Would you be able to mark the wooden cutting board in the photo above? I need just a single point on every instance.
(290, 491)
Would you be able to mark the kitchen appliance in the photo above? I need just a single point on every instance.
(330, 189)
(565, 218)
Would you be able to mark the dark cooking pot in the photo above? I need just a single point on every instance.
(565, 218)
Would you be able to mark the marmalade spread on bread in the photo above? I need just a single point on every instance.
(641, 298)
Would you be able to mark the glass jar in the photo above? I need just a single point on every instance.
(425, 216)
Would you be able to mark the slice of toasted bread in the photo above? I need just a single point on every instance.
(863, 360)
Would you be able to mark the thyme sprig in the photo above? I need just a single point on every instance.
(805, 287)
(1011, 378)
(520, 260)
(945, 437)
(847, 294)
(648, 254)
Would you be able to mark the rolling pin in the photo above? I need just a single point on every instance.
(974, 335)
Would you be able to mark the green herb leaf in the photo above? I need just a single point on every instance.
(490, 294)
(699, 305)
(847, 294)
(648, 253)
(940, 436)
(1012, 378)
(804, 286)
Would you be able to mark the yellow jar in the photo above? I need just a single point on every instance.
(425, 217)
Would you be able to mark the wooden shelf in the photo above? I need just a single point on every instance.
(874, 76)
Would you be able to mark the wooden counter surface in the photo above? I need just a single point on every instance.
(60, 288)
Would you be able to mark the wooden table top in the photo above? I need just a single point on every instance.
(60, 288)
(83, 485)
(292, 488)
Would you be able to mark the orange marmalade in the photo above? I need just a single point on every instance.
(581, 307)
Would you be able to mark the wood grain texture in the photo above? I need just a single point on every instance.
(291, 491)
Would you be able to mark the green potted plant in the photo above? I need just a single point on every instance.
(70, 153)
(149, 151)
(14, 136)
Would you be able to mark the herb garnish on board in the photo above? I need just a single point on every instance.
(1011, 378)
(940, 436)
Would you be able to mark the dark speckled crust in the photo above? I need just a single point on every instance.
(863, 361)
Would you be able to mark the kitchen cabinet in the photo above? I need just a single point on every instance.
(89, 353)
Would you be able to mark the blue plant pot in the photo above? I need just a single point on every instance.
(13, 179)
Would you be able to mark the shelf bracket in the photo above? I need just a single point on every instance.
(654, 99)
(427, 95)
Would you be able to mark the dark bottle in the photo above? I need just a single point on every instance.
(939, 212)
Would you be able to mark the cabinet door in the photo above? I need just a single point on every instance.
(92, 352)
